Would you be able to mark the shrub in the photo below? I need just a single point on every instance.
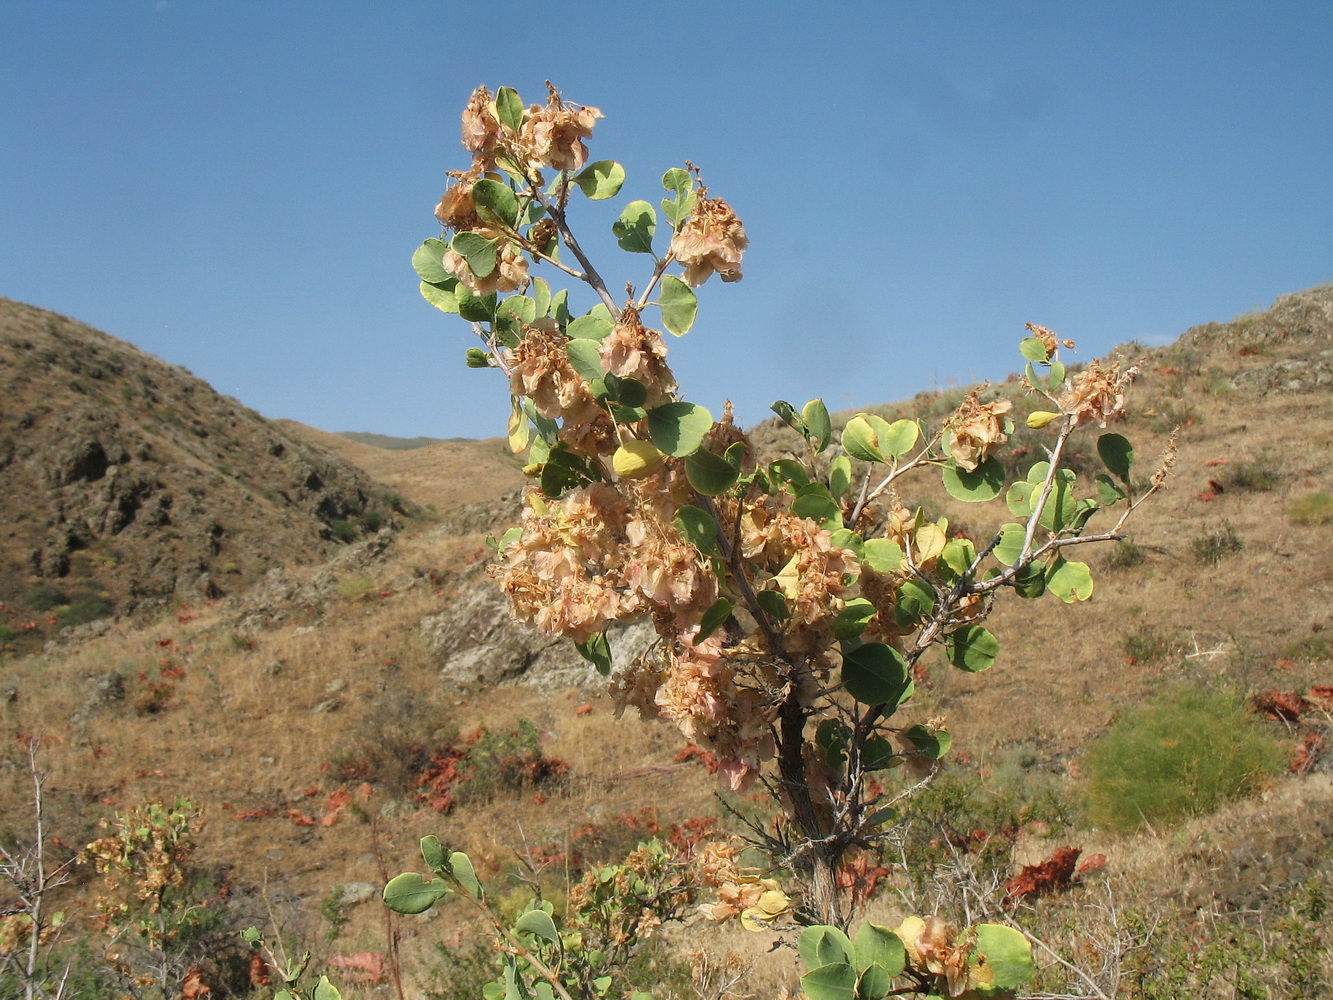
(1311, 509)
(343, 531)
(1311, 649)
(1125, 555)
(44, 597)
(372, 521)
(353, 588)
(1150, 644)
(86, 608)
(1182, 754)
(1259, 474)
(1216, 544)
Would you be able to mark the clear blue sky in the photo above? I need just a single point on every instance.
(237, 185)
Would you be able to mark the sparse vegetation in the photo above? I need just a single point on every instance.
(1217, 543)
(1311, 509)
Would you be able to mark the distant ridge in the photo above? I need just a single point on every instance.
(391, 443)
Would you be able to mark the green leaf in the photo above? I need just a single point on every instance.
(958, 555)
(929, 744)
(873, 983)
(442, 296)
(830, 982)
(586, 358)
(846, 538)
(432, 852)
(410, 893)
(815, 502)
(1033, 349)
(982, 484)
(1061, 505)
(679, 305)
(1030, 581)
(789, 471)
(495, 202)
(1107, 491)
(537, 922)
(600, 180)
(853, 618)
(822, 944)
(325, 990)
(860, 437)
(840, 475)
(679, 428)
(509, 109)
(815, 415)
(522, 308)
(698, 528)
(915, 602)
(461, 865)
(971, 648)
(626, 391)
(680, 186)
(883, 555)
(589, 327)
(1117, 454)
(875, 674)
(900, 438)
(789, 416)
(478, 251)
(635, 227)
(710, 474)
(541, 296)
(713, 619)
(1070, 581)
(1056, 379)
(428, 260)
(878, 754)
(596, 651)
(1020, 497)
(1009, 955)
(876, 945)
(560, 308)
(1010, 546)
(773, 604)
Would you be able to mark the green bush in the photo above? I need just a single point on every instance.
(86, 608)
(1182, 754)
(344, 531)
(1150, 644)
(1125, 555)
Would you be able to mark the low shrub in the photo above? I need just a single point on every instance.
(1151, 644)
(1182, 754)
(344, 531)
(86, 608)
(1216, 544)
(1125, 555)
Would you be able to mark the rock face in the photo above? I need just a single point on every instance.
(125, 481)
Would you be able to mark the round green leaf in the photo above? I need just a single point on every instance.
(773, 604)
(679, 305)
(846, 538)
(860, 440)
(441, 296)
(874, 674)
(1070, 581)
(325, 990)
(815, 415)
(930, 744)
(478, 251)
(522, 308)
(495, 202)
(589, 327)
(878, 754)
(586, 357)
(461, 865)
(883, 555)
(428, 260)
(876, 945)
(971, 648)
(1117, 454)
(600, 180)
(710, 474)
(900, 438)
(853, 618)
(679, 428)
(698, 528)
(822, 944)
(537, 922)
(873, 983)
(410, 893)
(840, 475)
(1010, 546)
(819, 506)
(983, 483)
(915, 601)
(431, 849)
(635, 227)
(1009, 955)
(830, 982)
(1033, 349)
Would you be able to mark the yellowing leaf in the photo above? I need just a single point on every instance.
(789, 579)
(930, 542)
(1038, 419)
(519, 432)
(637, 459)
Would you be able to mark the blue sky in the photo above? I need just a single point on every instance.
(237, 186)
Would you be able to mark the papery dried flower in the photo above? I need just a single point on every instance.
(456, 209)
(539, 368)
(978, 429)
(481, 128)
(509, 274)
(1097, 394)
(552, 136)
(631, 350)
(712, 240)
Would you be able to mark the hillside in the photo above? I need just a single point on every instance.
(127, 483)
(344, 685)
